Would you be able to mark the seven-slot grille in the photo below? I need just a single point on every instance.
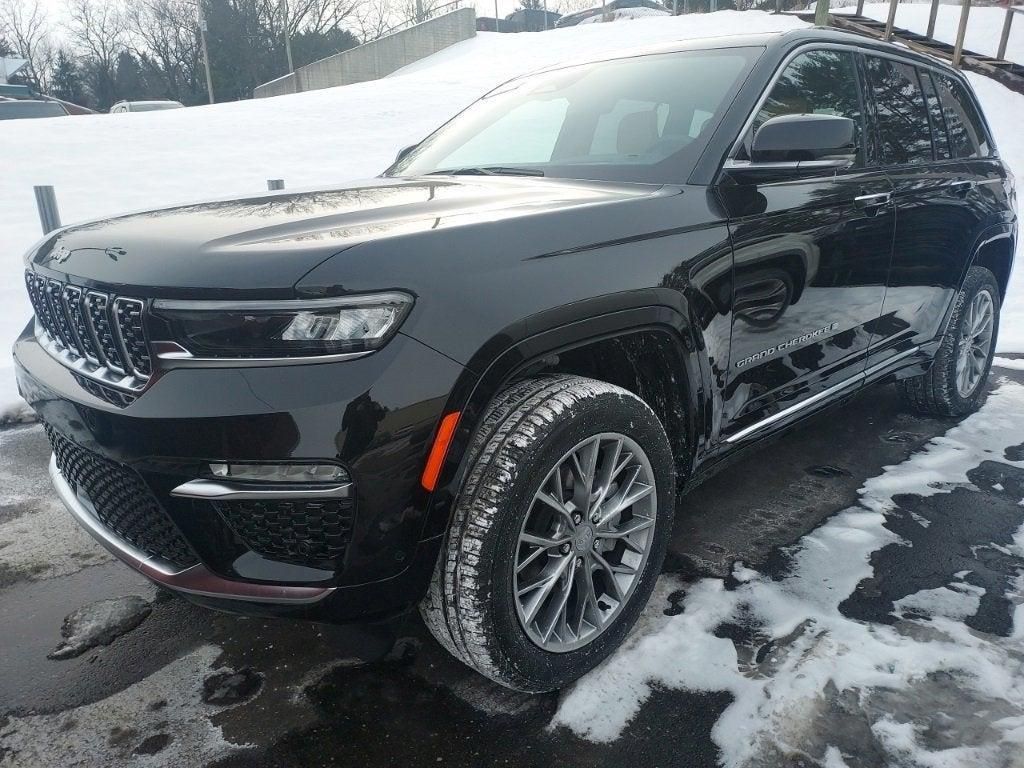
(106, 331)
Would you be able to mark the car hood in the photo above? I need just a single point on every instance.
(265, 245)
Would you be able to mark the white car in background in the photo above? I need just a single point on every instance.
(144, 106)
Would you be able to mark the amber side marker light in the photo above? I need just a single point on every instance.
(439, 450)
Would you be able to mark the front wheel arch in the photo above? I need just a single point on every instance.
(572, 349)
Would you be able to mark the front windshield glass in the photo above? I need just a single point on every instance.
(642, 119)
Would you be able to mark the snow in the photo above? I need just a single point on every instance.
(100, 623)
(824, 672)
(107, 164)
(164, 708)
(1014, 364)
(984, 25)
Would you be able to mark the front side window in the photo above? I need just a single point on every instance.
(816, 83)
(642, 119)
(966, 132)
(903, 133)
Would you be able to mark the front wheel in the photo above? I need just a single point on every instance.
(955, 383)
(558, 535)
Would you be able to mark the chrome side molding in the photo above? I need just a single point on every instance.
(859, 378)
(228, 491)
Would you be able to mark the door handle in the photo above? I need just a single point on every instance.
(873, 202)
(962, 188)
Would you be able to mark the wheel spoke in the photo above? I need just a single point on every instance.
(560, 551)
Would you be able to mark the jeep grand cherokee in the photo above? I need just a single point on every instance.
(479, 383)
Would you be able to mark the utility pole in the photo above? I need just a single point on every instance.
(206, 49)
(821, 13)
(287, 36)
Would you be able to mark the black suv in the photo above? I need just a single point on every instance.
(478, 383)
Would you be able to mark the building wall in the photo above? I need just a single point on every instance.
(378, 58)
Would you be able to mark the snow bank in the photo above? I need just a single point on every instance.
(107, 164)
(818, 674)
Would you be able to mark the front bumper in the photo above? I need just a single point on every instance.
(376, 416)
(193, 580)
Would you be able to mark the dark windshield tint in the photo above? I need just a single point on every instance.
(643, 119)
(10, 110)
(903, 133)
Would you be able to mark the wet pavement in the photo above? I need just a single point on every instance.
(188, 686)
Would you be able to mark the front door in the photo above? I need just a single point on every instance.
(811, 260)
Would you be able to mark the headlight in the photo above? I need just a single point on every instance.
(300, 328)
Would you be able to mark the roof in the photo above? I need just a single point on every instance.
(769, 40)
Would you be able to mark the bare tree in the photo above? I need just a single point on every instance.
(24, 25)
(373, 18)
(99, 29)
(165, 35)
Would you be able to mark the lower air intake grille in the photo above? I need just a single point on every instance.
(310, 533)
(123, 502)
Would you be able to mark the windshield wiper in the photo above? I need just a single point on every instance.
(488, 170)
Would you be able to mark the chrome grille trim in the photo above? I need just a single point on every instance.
(97, 335)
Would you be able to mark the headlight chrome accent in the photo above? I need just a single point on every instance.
(292, 330)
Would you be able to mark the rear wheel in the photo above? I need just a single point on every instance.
(956, 381)
(559, 532)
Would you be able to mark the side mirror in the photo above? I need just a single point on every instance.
(801, 142)
(403, 152)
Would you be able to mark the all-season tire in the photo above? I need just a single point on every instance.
(937, 392)
(471, 607)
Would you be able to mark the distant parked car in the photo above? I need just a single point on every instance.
(144, 106)
(572, 19)
(11, 92)
(15, 109)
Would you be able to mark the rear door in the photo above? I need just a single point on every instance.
(935, 219)
(811, 259)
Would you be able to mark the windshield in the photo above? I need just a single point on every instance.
(642, 119)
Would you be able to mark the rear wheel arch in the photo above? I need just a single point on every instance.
(994, 252)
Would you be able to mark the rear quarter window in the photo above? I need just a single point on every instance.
(967, 133)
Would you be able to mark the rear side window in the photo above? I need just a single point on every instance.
(816, 83)
(903, 134)
(966, 131)
(939, 132)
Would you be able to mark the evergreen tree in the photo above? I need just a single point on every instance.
(67, 81)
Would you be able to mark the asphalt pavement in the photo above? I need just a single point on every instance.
(189, 686)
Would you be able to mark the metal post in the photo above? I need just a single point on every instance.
(961, 32)
(821, 13)
(1004, 37)
(932, 16)
(545, 14)
(496, 17)
(287, 36)
(206, 50)
(49, 214)
(860, 7)
(275, 184)
(889, 22)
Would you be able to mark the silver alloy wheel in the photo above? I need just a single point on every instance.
(975, 343)
(584, 542)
